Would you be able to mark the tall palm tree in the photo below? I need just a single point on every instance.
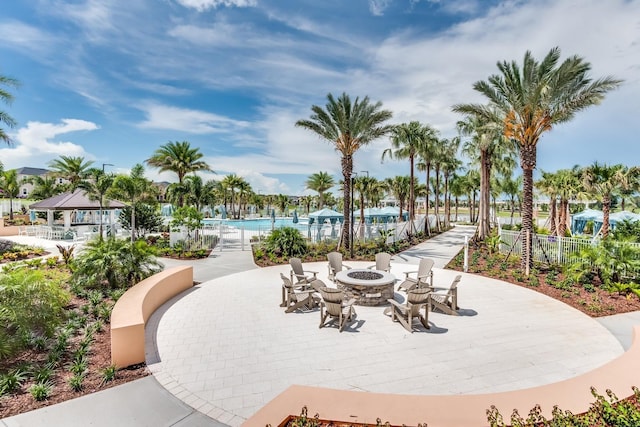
(195, 191)
(603, 182)
(97, 187)
(399, 186)
(362, 185)
(180, 158)
(7, 98)
(534, 98)
(73, 169)
(232, 183)
(134, 188)
(10, 187)
(44, 186)
(457, 187)
(306, 202)
(427, 152)
(348, 126)
(486, 144)
(407, 140)
(320, 182)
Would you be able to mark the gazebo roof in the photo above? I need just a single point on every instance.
(76, 200)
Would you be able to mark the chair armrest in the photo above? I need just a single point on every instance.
(396, 305)
(371, 267)
(349, 303)
(407, 273)
(344, 266)
(309, 271)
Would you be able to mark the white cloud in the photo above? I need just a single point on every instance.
(377, 7)
(202, 5)
(25, 38)
(36, 143)
(187, 120)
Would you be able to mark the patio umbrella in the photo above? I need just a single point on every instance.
(295, 216)
(273, 218)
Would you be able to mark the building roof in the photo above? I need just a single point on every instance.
(31, 171)
(76, 200)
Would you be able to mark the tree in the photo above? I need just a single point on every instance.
(407, 139)
(7, 98)
(97, 188)
(73, 169)
(231, 183)
(602, 182)
(511, 187)
(134, 188)
(146, 218)
(348, 126)
(486, 143)
(320, 182)
(532, 99)
(428, 150)
(44, 186)
(362, 185)
(399, 186)
(10, 187)
(179, 158)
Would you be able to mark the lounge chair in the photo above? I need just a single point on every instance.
(299, 274)
(423, 277)
(383, 262)
(296, 297)
(446, 301)
(335, 265)
(334, 307)
(409, 311)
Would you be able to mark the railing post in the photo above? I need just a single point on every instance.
(559, 260)
(528, 253)
(221, 240)
(242, 237)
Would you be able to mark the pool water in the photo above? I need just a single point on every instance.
(255, 224)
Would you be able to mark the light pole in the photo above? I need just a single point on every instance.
(105, 164)
(352, 178)
(366, 201)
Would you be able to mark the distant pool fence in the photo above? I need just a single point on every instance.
(239, 235)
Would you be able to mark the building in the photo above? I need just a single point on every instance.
(24, 174)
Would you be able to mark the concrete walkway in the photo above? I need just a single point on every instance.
(226, 361)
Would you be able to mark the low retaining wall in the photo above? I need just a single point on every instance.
(133, 309)
(573, 394)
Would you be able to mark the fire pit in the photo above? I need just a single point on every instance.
(368, 287)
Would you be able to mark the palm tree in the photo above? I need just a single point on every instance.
(7, 98)
(399, 186)
(282, 201)
(457, 187)
(73, 169)
(320, 182)
(602, 182)
(195, 195)
(407, 141)
(44, 186)
(231, 183)
(10, 187)
(306, 202)
(179, 158)
(532, 100)
(511, 187)
(134, 188)
(348, 126)
(97, 188)
(427, 152)
(486, 144)
(362, 184)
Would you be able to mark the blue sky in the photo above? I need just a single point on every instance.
(114, 80)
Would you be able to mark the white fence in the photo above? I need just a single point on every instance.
(548, 249)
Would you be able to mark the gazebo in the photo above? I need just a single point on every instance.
(319, 217)
(79, 202)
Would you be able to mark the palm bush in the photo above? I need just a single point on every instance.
(29, 305)
(286, 241)
(41, 391)
(114, 263)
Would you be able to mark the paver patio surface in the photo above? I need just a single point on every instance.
(226, 347)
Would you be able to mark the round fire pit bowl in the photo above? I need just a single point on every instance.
(368, 287)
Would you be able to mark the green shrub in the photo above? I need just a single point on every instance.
(76, 382)
(114, 263)
(29, 304)
(11, 381)
(41, 391)
(286, 242)
(108, 373)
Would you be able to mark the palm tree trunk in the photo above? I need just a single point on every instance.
(528, 164)
(347, 168)
(562, 217)
(456, 202)
(606, 210)
(485, 196)
(427, 226)
(552, 216)
(412, 200)
(436, 196)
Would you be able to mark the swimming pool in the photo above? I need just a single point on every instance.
(256, 224)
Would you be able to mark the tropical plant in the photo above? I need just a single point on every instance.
(97, 187)
(41, 391)
(29, 304)
(532, 100)
(9, 187)
(348, 126)
(189, 218)
(428, 152)
(146, 219)
(320, 182)
(134, 189)
(7, 98)
(44, 186)
(73, 169)
(286, 241)
(399, 186)
(179, 158)
(114, 263)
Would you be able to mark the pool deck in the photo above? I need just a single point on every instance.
(225, 348)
